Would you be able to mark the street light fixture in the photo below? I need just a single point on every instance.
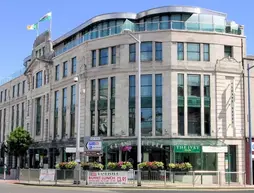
(250, 129)
(77, 179)
(139, 145)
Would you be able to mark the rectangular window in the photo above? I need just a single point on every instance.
(206, 85)
(73, 95)
(38, 79)
(103, 56)
(4, 124)
(5, 94)
(18, 89)
(73, 65)
(57, 68)
(180, 51)
(158, 51)
(103, 89)
(92, 123)
(194, 121)
(22, 114)
(93, 58)
(12, 118)
(146, 51)
(65, 69)
(193, 52)
(180, 114)
(24, 87)
(102, 123)
(1, 97)
(132, 120)
(207, 110)
(146, 121)
(17, 116)
(158, 90)
(56, 114)
(73, 103)
(194, 85)
(64, 101)
(112, 122)
(228, 51)
(13, 91)
(93, 88)
(206, 52)
(113, 55)
(38, 116)
(64, 98)
(132, 86)
(146, 85)
(132, 52)
(158, 83)
(113, 87)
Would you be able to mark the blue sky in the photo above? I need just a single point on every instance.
(17, 42)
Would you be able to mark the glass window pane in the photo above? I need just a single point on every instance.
(194, 121)
(146, 51)
(158, 51)
(158, 131)
(103, 89)
(193, 51)
(194, 85)
(146, 121)
(103, 56)
(180, 51)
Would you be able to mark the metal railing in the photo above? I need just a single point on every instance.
(160, 178)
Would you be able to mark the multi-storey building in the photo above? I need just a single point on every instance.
(192, 99)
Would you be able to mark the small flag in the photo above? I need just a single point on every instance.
(32, 27)
(46, 17)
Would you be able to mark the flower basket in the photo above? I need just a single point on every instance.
(92, 166)
(151, 166)
(180, 167)
(119, 166)
(66, 165)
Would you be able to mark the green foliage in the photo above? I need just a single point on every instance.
(19, 141)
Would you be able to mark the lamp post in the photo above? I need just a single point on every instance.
(250, 129)
(77, 177)
(139, 145)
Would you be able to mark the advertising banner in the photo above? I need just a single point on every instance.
(47, 175)
(107, 178)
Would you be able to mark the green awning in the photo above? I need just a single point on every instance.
(162, 142)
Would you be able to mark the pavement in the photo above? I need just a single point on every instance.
(9, 187)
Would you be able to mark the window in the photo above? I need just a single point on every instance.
(103, 89)
(228, 51)
(64, 112)
(194, 85)
(4, 124)
(93, 85)
(112, 122)
(146, 121)
(180, 114)
(22, 114)
(1, 97)
(65, 69)
(103, 56)
(18, 89)
(180, 51)
(132, 120)
(102, 122)
(38, 116)
(93, 58)
(194, 121)
(207, 105)
(57, 68)
(206, 50)
(24, 87)
(132, 52)
(13, 91)
(43, 50)
(73, 103)
(158, 90)
(193, 52)
(5, 94)
(73, 65)
(92, 123)
(47, 103)
(158, 51)
(146, 51)
(132, 86)
(12, 118)
(38, 79)
(17, 116)
(1, 126)
(56, 114)
(113, 87)
(146, 85)
(206, 85)
(158, 82)
(113, 55)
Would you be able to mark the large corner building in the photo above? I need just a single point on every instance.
(192, 90)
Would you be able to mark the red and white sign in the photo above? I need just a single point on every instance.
(104, 178)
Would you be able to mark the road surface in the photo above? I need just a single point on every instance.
(13, 188)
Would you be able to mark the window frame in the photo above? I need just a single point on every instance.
(65, 69)
(113, 55)
(94, 58)
(103, 56)
(206, 52)
(158, 51)
(180, 51)
(132, 51)
(74, 65)
(226, 53)
(146, 51)
(190, 52)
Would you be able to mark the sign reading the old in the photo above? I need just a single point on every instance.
(187, 149)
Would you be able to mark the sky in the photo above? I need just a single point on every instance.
(17, 41)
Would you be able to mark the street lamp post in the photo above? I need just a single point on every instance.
(139, 145)
(250, 129)
(77, 179)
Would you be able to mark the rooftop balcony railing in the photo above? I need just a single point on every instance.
(149, 26)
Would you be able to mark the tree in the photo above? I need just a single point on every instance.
(19, 142)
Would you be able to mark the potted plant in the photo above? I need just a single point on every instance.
(92, 166)
(151, 165)
(66, 165)
(179, 167)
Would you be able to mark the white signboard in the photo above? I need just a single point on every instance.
(107, 178)
(47, 175)
(94, 145)
(215, 149)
